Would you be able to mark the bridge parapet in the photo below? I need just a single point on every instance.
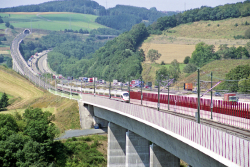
(219, 145)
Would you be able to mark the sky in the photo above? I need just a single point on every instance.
(162, 5)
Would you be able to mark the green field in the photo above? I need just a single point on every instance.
(51, 21)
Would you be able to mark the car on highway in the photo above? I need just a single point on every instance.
(217, 94)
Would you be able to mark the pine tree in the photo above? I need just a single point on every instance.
(4, 102)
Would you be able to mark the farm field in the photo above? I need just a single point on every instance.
(54, 21)
(24, 94)
(169, 52)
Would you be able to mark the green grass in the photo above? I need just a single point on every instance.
(73, 96)
(53, 22)
(167, 65)
(21, 111)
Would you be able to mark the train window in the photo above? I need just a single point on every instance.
(125, 94)
(118, 96)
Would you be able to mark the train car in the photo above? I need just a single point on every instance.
(115, 94)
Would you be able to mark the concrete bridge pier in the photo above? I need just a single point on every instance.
(137, 150)
(88, 118)
(86, 115)
(116, 145)
(162, 158)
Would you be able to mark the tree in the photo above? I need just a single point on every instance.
(244, 85)
(174, 69)
(203, 54)
(81, 31)
(39, 126)
(186, 60)
(247, 33)
(248, 48)
(7, 24)
(153, 55)
(4, 102)
(236, 74)
(11, 26)
(162, 73)
(9, 62)
(189, 68)
(1, 58)
(1, 20)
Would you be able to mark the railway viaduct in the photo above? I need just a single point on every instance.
(142, 136)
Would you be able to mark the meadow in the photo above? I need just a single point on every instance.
(53, 21)
(221, 29)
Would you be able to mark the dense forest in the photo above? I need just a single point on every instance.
(116, 59)
(240, 9)
(124, 17)
(119, 58)
(73, 56)
(68, 44)
(28, 140)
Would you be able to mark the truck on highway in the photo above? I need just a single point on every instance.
(90, 79)
(188, 86)
(231, 97)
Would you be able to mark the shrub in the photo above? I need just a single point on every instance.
(186, 60)
(239, 37)
(247, 34)
(189, 68)
(7, 24)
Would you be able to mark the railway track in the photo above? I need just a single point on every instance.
(236, 131)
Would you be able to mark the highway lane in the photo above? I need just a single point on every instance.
(21, 66)
(43, 65)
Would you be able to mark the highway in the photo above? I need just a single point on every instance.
(21, 66)
(43, 65)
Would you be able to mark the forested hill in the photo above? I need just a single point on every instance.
(240, 9)
(117, 59)
(77, 6)
(124, 17)
(120, 17)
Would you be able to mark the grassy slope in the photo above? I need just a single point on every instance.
(54, 21)
(27, 95)
(202, 29)
(182, 43)
(219, 69)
